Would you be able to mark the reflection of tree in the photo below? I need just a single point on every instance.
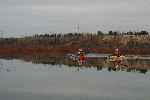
(131, 65)
(143, 71)
(49, 63)
(111, 69)
(1, 64)
(99, 68)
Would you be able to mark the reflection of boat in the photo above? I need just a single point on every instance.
(115, 60)
(119, 59)
(110, 56)
(79, 58)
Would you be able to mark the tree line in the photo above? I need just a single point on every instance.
(90, 34)
(127, 33)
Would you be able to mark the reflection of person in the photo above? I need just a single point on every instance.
(116, 63)
(80, 61)
(117, 53)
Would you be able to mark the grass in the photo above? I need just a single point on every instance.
(58, 50)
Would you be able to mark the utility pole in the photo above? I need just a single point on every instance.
(78, 28)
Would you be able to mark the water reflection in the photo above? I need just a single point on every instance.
(116, 61)
(128, 65)
(61, 78)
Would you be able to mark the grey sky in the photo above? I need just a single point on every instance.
(28, 17)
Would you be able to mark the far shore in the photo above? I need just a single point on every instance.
(57, 45)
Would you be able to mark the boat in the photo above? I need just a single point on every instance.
(81, 56)
(118, 57)
(78, 56)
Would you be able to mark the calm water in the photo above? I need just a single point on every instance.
(63, 79)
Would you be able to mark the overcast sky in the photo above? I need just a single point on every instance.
(28, 17)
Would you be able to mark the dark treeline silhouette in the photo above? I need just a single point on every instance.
(90, 34)
(128, 33)
(61, 35)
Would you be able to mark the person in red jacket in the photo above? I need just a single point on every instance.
(117, 53)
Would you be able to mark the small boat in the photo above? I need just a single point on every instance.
(78, 56)
(81, 56)
(118, 57)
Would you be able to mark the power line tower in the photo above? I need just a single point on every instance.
(78, 28)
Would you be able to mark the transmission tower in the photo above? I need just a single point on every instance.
(78, 28)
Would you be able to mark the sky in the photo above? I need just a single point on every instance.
(21, 18)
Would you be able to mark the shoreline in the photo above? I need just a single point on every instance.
(56, 46)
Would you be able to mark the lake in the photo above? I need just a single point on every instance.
(54, 78)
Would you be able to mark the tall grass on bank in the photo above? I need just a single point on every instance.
(58, 50)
